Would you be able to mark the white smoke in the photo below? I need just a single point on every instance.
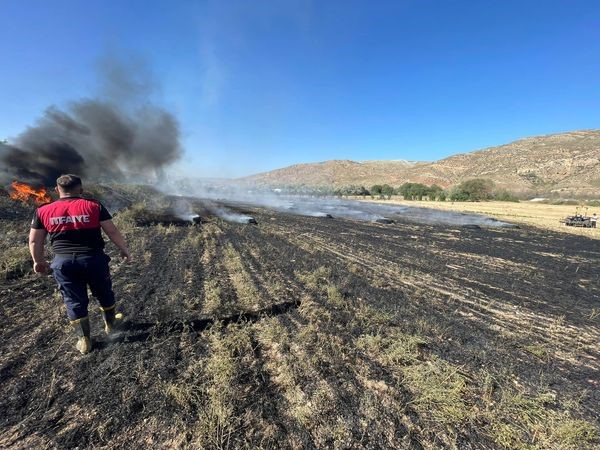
(222, 199)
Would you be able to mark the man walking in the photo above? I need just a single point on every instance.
(74, 225)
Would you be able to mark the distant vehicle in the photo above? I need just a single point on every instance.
(578, 220)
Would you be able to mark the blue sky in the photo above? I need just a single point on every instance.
(258, 85)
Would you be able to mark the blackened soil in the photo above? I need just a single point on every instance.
(519, 302)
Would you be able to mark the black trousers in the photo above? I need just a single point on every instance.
(74, 273)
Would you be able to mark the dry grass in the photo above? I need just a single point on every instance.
(539, 215)
(15, 262)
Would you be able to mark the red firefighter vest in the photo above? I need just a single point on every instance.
(73, 224)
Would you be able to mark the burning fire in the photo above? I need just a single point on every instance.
(26, 193)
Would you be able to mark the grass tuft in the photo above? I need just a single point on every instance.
(15, 262)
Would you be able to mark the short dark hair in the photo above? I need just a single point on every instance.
(68, 182)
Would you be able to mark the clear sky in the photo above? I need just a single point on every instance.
(258, 85)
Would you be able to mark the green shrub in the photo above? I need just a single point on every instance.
(505, 196)
(387, 191)
(434, 192)
(473, 190)
(414, 191)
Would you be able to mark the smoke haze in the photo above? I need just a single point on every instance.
(225, 199)
(114, 138)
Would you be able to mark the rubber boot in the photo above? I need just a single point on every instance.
(82, 330)
(112, 319)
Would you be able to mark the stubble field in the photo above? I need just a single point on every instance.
(534, 214)
(307, 332)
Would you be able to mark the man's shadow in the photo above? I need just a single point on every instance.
(142, 331)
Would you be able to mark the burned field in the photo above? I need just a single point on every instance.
(312, 332)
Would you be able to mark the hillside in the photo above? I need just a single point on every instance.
(337, 173)
(567, 162)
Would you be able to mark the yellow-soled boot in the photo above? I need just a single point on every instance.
(82, 330)
(112, 319)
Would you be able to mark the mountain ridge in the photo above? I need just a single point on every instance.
(566, 162)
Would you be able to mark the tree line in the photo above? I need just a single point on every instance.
(478, 189)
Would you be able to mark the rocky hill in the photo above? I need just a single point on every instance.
(567, 163)
(337, 172)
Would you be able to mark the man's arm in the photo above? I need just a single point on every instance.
(116, 237)
(36, 248)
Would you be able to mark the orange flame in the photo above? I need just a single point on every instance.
(26, 193)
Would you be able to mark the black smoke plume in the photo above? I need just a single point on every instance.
(115, 138)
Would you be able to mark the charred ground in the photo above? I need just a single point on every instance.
(304, 332)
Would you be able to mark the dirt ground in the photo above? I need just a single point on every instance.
(305, 332)
(536, 214)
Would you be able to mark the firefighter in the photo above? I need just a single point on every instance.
(593, 220)
(74, 225)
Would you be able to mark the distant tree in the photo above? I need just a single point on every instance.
(442, 196)
(404, 191)
(504, 195)
(351, 190)
(458, 195)
(387, 191)
(413, 191)
(376, 189)
(363, 191)
(473, 190)
(434, 192)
